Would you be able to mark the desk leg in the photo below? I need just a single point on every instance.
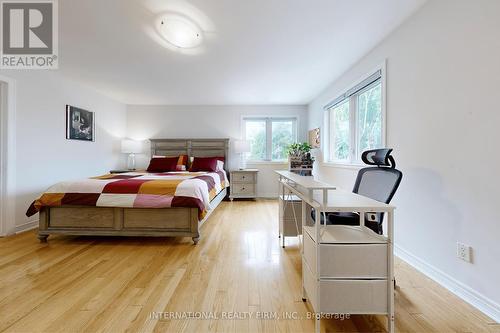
(280, 189)
(303, 220)
(317, 307)
(390, 254)
(281, 197)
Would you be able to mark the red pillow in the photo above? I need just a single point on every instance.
(163, 164)
(204, 164)
(181, 162)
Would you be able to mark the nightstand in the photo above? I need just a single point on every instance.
(243, 184)
(119, 171)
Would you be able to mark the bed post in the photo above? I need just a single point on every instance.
(43, 225)
(194, 225)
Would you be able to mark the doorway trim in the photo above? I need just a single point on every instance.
(7, 155)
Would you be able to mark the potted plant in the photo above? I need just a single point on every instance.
(299, 158)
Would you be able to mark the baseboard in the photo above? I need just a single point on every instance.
(26, 226)
(477, 300)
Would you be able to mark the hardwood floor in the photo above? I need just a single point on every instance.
(238, 268)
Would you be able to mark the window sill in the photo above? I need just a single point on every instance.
(353, 166)
(267, 162)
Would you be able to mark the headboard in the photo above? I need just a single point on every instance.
(192, 148)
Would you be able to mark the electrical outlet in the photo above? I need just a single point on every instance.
(464, 252)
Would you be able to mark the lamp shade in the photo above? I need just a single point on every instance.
(131, 146)
(241, 146)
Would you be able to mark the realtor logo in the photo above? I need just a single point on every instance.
(29, 34)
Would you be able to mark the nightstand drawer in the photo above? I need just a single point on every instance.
(243, 177)
(243, 189)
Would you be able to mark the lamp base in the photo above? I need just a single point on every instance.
(243, 162)
(131, 162)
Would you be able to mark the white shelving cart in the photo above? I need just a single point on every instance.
(345, 269)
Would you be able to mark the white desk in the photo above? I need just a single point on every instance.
(345, 269)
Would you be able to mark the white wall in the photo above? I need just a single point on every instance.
(145, 122)
(43, 155)
(443, 76)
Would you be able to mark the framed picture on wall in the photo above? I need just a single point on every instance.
(314, 138)
(80, 124)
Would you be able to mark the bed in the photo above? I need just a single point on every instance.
(126, 215)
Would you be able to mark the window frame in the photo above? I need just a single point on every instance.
(354, 159)
(269, 134)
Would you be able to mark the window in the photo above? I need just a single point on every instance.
(256, 133)
(340, 129)
(269, 137)
(355, 121)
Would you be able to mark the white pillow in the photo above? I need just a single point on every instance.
(220, 166)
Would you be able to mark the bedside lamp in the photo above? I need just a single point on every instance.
(241, 147)
(131, 147)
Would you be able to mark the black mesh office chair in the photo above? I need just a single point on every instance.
(379, 183)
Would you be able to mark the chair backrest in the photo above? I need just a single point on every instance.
(381, 182)
(378, 183)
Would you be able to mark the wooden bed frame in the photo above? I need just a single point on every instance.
(111, 221)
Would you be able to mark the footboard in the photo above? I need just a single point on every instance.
(109, 221)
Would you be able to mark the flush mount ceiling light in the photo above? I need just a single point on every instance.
(180, 32)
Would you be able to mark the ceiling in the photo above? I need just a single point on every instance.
(253, 52)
